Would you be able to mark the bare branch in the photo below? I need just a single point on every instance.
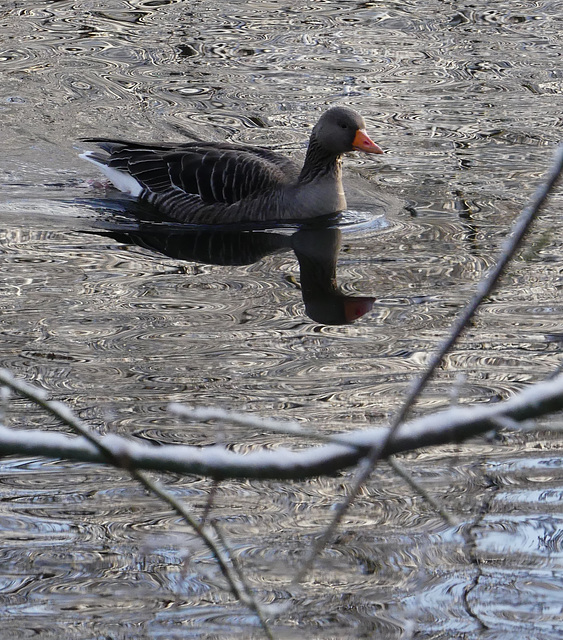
(116, 452)
(452, 425)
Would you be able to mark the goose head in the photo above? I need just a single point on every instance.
(340, 130)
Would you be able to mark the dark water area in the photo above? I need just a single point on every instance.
(465, 99)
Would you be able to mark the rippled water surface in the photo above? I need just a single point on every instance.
(465, 98)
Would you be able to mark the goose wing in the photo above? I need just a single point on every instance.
(213, 173)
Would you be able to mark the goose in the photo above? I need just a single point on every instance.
(222, 183)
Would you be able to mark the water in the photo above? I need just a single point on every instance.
(465, 99)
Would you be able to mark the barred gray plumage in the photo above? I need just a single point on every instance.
(221, 183)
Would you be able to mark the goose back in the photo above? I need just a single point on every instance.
(201, 182)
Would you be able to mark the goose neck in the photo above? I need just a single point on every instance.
(320, 164)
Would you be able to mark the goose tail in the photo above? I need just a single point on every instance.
(121, 180)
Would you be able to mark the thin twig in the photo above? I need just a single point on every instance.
(60, 411)
(209, 502)
(400, 470)
(485, 287)
(153, 486)
(225, 561)
(242, 578)
(272, 425)
(203, 414)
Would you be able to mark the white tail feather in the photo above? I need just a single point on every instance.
(122, 181)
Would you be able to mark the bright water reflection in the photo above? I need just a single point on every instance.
(465, 100)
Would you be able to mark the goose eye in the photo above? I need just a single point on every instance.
(343, 126)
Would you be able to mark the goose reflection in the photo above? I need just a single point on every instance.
(315, 247)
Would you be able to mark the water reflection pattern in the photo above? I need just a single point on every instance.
(467, 100)
(316, 249)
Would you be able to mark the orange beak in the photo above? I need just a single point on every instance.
(362, 142)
